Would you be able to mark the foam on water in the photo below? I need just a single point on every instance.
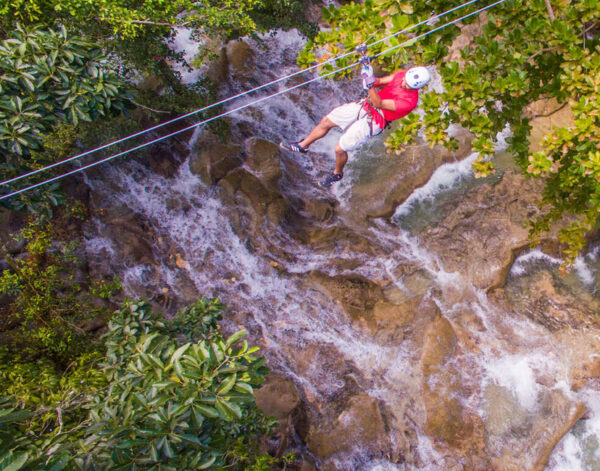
(531, 257)
(443, 179)
(579, 450)
(515, 373)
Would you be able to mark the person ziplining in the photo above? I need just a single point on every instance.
(363, 119)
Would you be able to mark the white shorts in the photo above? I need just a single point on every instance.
(356, 128)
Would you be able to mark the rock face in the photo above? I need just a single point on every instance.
(213, 162)
(483, 234)
(402, 174)
(360, 422)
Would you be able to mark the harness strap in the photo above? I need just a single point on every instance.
(369, 109)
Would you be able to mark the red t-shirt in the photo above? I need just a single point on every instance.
(405, 100)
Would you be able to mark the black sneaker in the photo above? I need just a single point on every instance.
(293, 146)
(331, 179)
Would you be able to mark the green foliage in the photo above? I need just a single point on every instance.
(169, 394)
(48, 298)
(168, 397)
(50, 76)
(520, 57)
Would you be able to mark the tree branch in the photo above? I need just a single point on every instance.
(541, 51)
(551, 113)
(550, 12)
(148, 108)
(145, 22)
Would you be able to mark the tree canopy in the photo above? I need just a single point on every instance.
(525, 51)
(166, 395)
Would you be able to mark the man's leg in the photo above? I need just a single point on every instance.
(341, 157)
(318, 132)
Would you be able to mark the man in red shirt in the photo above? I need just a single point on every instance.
(366, 118)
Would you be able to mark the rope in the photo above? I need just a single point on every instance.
(226, 100)
(255, 102)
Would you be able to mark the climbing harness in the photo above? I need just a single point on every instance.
(364, 101)
(251, 103)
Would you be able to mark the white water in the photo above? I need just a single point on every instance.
(291, 316)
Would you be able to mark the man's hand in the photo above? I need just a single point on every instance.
(368, 76)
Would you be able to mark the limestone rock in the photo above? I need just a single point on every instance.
(549, 300)
(263, 158)
(402, 174)
(277, 397)
(262, 202)
(485, 229)
(213, 162)
(239, 54)
(217, 69)
(358, 295)
(359, 424)
(129, 233)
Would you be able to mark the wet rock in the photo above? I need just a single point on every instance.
(263, 159)
(504, 414)
(385, 182)
(212, 162)
(261, 201)
(550, 300)
(590, 369)
(439, 346)
(320, 210)
(447, 420)
(239, 55)
(164, 159)
(217, 68)
(128, 232)
(357, 294)
(277, 397)
(529, 446)
(359, 424)
(482, 235)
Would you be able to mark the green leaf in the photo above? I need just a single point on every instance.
(227, 384)
(206, 411)
(235, 337)
(208, 463)
(13, 462)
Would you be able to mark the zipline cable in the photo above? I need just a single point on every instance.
(255, 102)
(226, 100)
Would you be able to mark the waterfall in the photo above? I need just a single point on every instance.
(504, 363)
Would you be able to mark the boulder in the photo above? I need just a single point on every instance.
(543, 427)
(485, 229)
(164, 159)
(247, 190)
(217, 68)
(548, 299)
(239, 55)
(128, 232)
(263, 159)
(212, 162)
(400, 174)
(360, 424)
(357, 294)
(277, 397)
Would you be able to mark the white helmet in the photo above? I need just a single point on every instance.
(417, 77)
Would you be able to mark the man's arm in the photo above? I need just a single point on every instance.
(381, 81)
(378, 102)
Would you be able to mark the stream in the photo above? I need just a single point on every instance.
(364, 311)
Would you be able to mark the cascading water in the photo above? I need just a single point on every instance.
(502, 366)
